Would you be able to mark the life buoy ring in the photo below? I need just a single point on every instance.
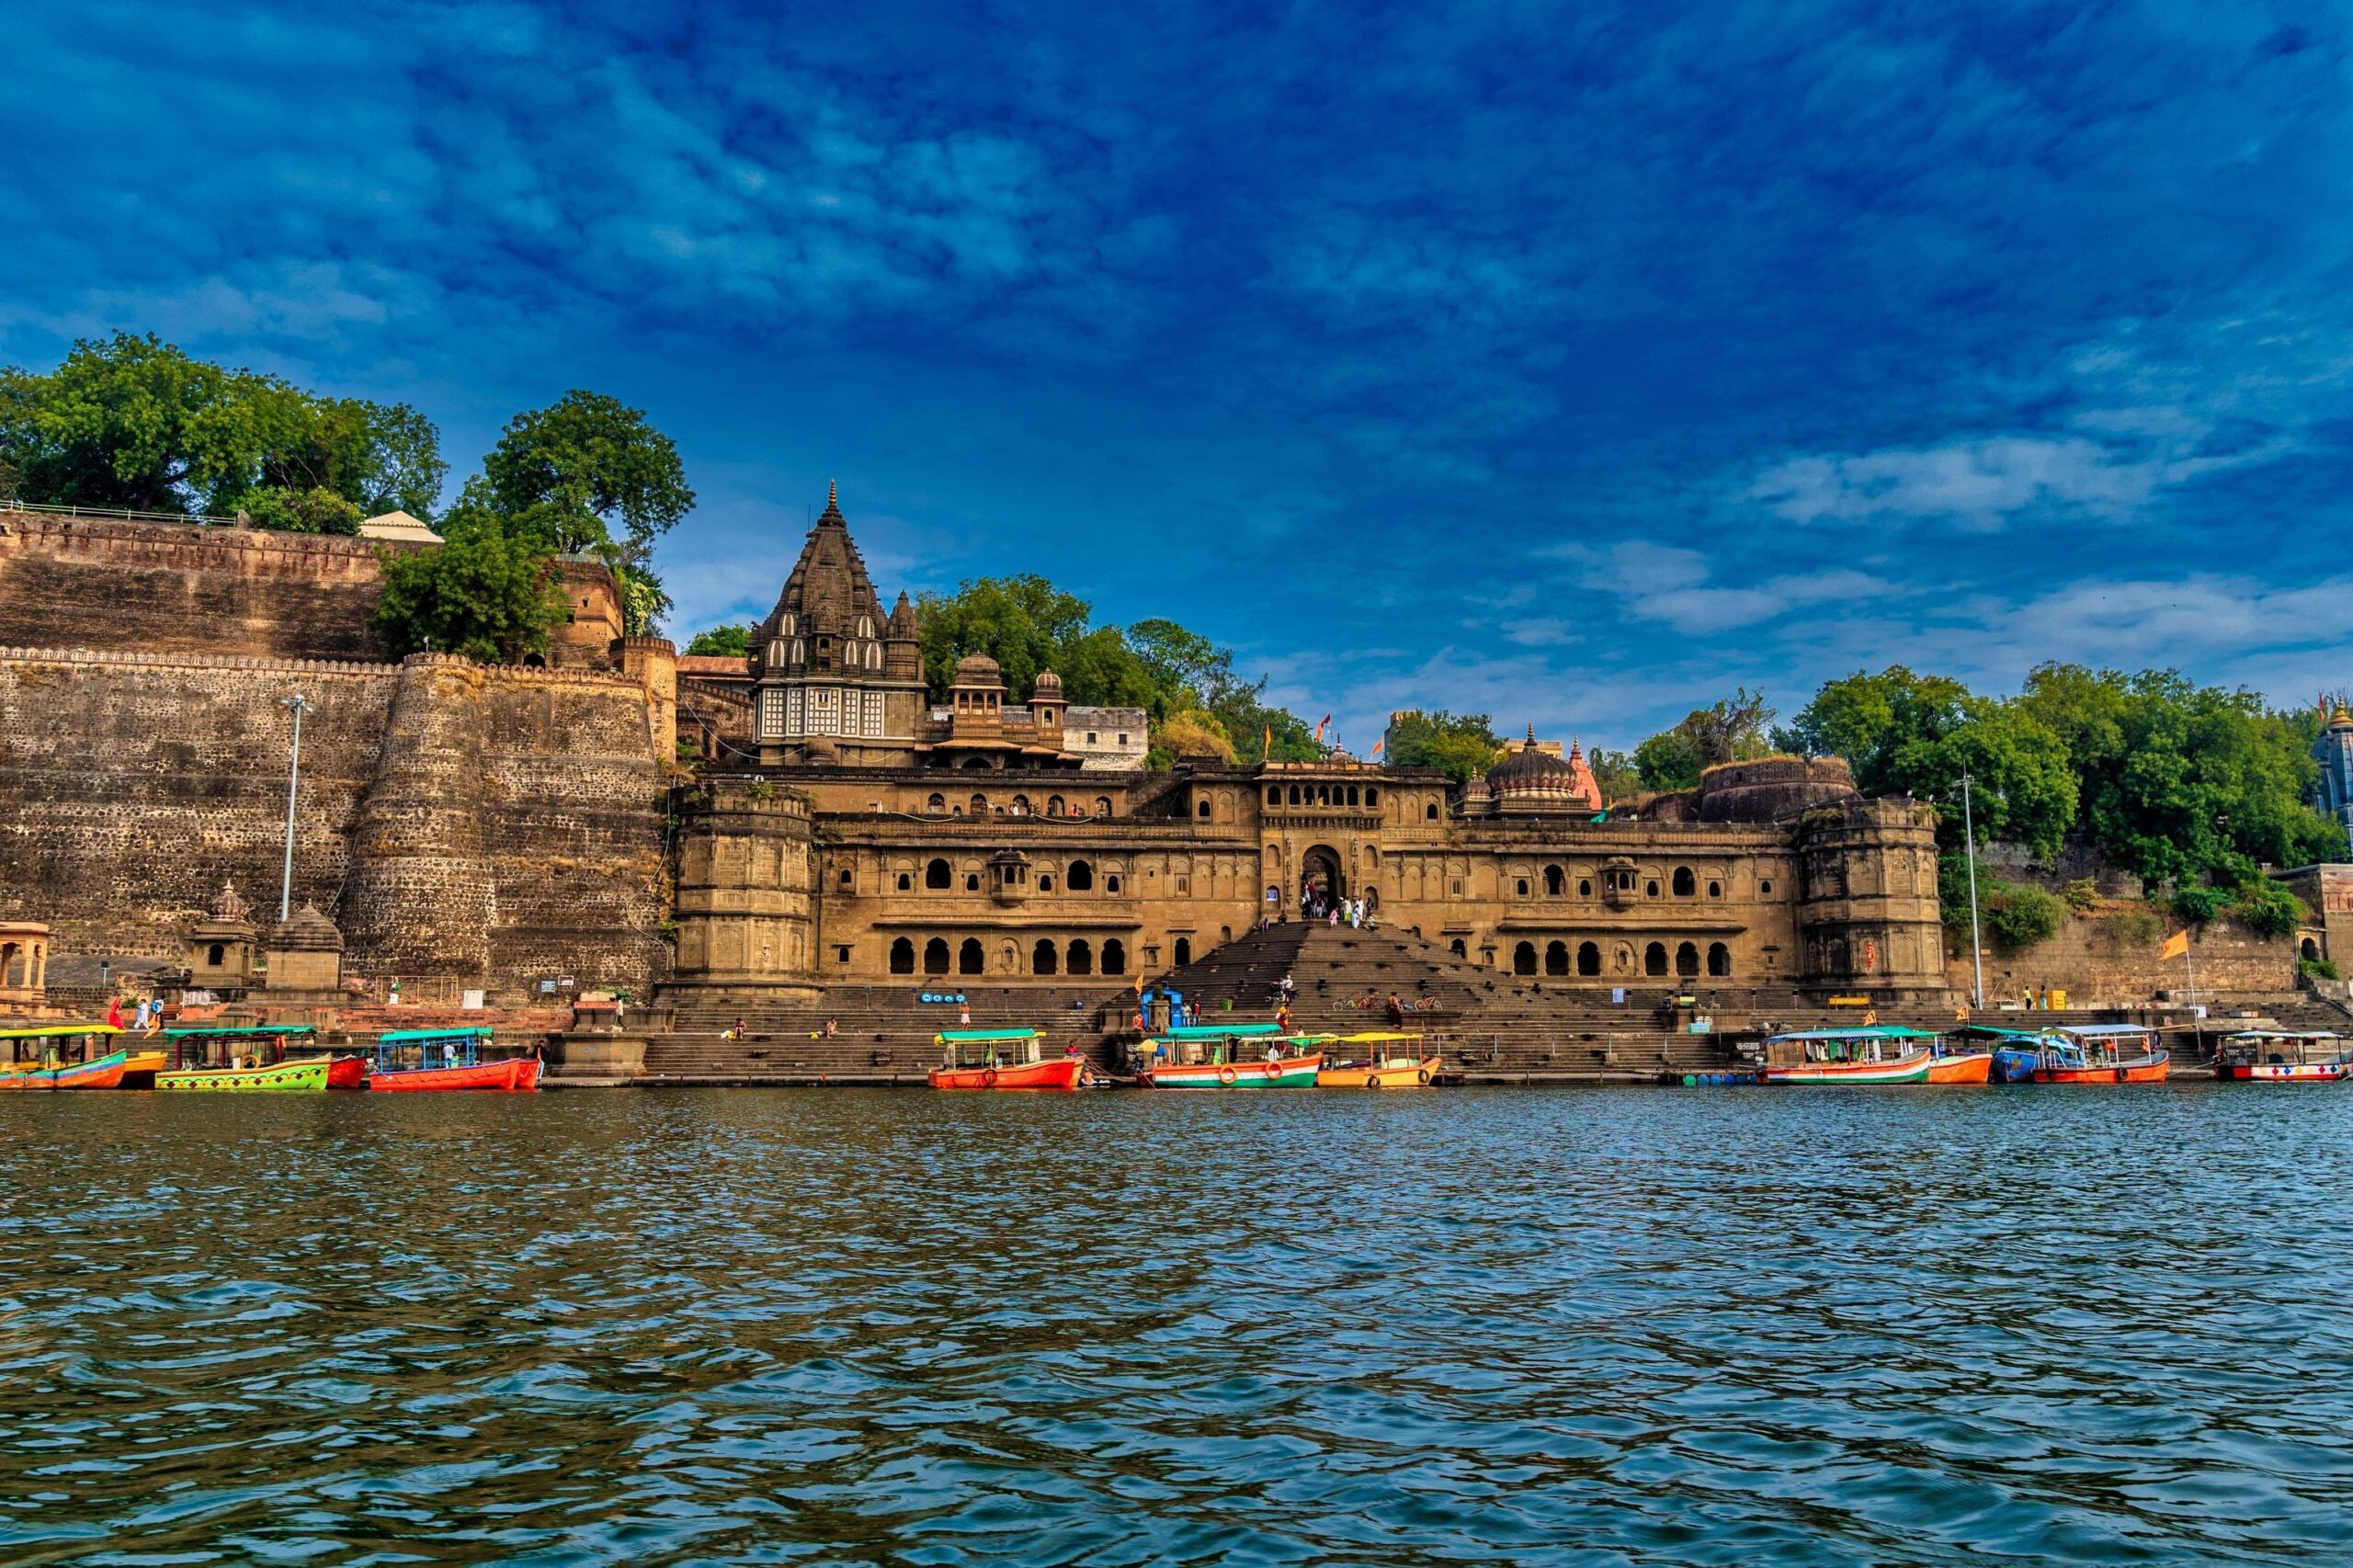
(1274, 1069)
(1423, 1074)
(1225, 1076)
(988, 1078)
(1372, 1080)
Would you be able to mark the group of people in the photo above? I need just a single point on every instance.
(1354, 913)
(147, 1020)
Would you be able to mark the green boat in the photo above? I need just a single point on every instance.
(254, 1059)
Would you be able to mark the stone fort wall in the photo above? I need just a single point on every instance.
(489, 825)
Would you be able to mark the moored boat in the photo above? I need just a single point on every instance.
(65, 1056)
(1379, 1059)
(1001, 1058)
(1229, 1056)
(1866, 1054)
(256, 1058)
(2282, 1056)
(2100, 1053)
(444, 1060)
(1951, 1065)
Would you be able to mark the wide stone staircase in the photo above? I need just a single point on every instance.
(882, 1034)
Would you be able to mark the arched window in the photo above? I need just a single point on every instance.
(216, 952)
(1718, 960)
(970, 958)
(1523, 958)
(1184, 951)
(936, 804)
(1203, 811)
(1652, 889)
(1687, 959)
(978, 806)
(2308, 949)
(1523, 887)
(1584, 887)
(1554, 882)
(1371, 796)
(1430, 813)
(937, 875)
(906, 882)
(1294, 795)
(1354, 799)
(1021, 805)
(1589, 958)
(971, 881)
(1082, 958)
(1080, 878)
(1114, 956)
(1765, 886)
(1654, 958)
(1042, 956)
(935, 955)
(1111, 883)
(1053, 805)
(1715, 890)
(1274, 794)
(903, 957)
(1556, 958)
(1102, 805)
(1686, 885)
(1457, 950)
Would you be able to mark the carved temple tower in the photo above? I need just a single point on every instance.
(834, 679)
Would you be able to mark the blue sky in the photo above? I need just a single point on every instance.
(1572, 363)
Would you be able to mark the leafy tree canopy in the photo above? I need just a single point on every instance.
(481, 593)
(587, 474)
(1464, 744)
(722, 642)
(1726, 730)
(134, 421)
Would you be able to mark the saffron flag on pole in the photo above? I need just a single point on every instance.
(1267, 753)
(1320, 725)
(1376, 745)
(2177, 946)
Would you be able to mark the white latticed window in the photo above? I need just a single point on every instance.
(772, 714)
(874, 714)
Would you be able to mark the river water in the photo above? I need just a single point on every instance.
(1610, 1325)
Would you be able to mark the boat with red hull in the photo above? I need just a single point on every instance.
(2278, 1056)
(1003, 1059)
(446, 1061)
(2101, 1053)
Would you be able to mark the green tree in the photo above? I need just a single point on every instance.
(1023, 622)
(314, 511)
(482, 592)
(1465, 745)
(1869, 719)
(1669, 760)
(2021, 917)
(1615, 772)
(588, 475)
(2021, 786)
(1729, 730)
(2268, 909)
(380, 456)
(1192, 734)
(722, 642)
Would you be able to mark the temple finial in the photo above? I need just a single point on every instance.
(832, 499)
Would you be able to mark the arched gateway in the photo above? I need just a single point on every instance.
(1319, 875)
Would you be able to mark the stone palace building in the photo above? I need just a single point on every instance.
(848, 827)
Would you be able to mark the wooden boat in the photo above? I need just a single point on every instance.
(32, 1050)
(256, 1059)
(1379, 1059)
(1869, 1054)
(446, 1061)
(103, 1073)
(2014, 1053)
(2281, 1056)
(1229, 1056)
(1949, 1064)
(2100, 1053)
(1001, 1058)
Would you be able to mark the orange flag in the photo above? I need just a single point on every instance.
(1376, 745)
(2176, 945)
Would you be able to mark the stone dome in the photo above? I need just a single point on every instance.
(228, 905)
(307, 931)
(977, 669)
(1049, 684)
(1528, 771)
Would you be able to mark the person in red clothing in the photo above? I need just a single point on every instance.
(114, 1014)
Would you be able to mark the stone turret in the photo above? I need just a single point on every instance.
(305, 956)
(220, 945)
(1866, 910)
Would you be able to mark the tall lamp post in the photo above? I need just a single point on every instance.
(297, 705)
(1976, 942)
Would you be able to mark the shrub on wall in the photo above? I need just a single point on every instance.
(2268, 909)
(2021, 917)
(2196, 905)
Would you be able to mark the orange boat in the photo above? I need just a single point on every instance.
(1001, 1058)
(1947, 1065)
(430, 1060)
(2101, 1053)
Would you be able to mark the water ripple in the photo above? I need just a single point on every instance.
(1593, 1327)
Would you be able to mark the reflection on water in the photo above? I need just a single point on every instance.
(1606, 1326)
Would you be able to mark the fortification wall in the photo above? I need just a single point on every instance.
(180, 587)
(490, 825)
(2106, 959)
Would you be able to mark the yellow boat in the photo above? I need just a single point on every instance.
(1379, 1059)
(30, 1048)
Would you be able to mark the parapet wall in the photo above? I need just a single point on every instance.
(492, 825)
(70, 581)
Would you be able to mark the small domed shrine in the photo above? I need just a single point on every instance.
(1535, 780)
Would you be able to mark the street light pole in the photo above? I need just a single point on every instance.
(297, 705)
(1976, 942)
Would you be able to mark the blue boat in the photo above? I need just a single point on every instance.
(2017, 1052)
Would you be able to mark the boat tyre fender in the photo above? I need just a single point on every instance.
(1372, 1080)
(1424, 1075)
(988, 1078)
(1225, 1076)
(1274, 1070)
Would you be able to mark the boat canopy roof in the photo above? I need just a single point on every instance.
(980, 1036)
(1371, 1036)
(1218, 1032)
(1865, 1031)
(410, 1037)
(53, 1031)
(2285, 1034)
(2099, 1031)
(247, 1030)
(1993, 1031)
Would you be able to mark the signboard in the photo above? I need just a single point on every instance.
(941, 998)
(547, 987)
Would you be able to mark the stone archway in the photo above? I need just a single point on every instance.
(1320, 875)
